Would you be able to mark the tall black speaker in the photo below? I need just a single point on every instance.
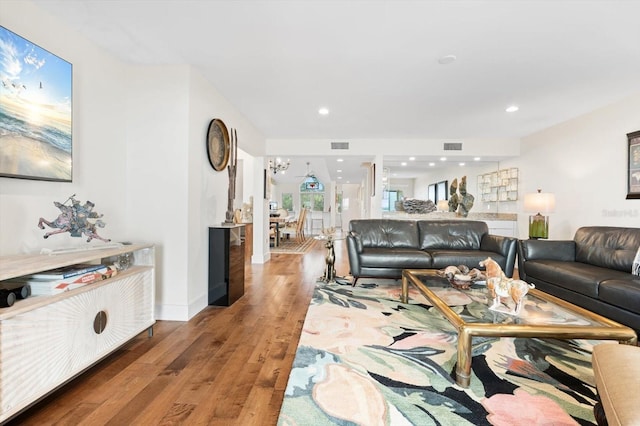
(226, 265)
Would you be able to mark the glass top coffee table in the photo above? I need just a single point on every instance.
(541, 315)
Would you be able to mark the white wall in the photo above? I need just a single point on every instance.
(158, 206)
(406, 186)
(99, 141)
(351, 203)
(139, 154)
(584, 163)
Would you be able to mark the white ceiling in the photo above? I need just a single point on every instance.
(374, 63)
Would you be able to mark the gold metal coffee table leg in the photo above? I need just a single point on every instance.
(404, 297)
(463, 366)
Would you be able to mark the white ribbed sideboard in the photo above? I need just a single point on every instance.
(45, 341)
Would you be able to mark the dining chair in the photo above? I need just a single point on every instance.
(296, 227)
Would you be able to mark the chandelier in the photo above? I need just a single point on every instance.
(278, 165)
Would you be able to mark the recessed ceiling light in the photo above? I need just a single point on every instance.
(339, 177)
(412, 158)
(443, 158)
(323, 111)
(432, 164)
(476, 158)
(339, 160)
(512, 108)
(339, 170)
(461, 164)
(447, 59)
(403, 163)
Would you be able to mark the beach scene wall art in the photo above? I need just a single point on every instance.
(35, 111)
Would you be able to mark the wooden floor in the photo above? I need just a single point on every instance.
(227, 366)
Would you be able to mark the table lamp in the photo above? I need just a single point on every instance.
(539, 203)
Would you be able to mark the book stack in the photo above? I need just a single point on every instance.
(67, 278)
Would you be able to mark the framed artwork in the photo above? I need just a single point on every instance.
(633, 175)
(36, 110)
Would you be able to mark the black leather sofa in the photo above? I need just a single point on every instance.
(384, 247)
(592, 271)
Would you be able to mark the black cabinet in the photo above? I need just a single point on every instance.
(226, 265)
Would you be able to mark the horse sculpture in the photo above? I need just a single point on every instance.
(63, 222)
(500, 286)
(77, 219)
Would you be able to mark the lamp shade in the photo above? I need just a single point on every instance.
(540, 202)
(443, 205)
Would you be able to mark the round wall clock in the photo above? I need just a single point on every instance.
(218, 144)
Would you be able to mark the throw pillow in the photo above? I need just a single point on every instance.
(635, 268)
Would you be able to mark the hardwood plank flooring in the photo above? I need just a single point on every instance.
(226, 366)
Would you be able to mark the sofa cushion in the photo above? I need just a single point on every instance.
(386, 233)
(397, 258)
(451, 234)
(575, 276)
(607, 246)
(624, 294)
(470, 258)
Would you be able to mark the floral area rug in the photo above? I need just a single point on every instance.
(366, 359)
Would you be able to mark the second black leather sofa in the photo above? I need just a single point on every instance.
(592, 271)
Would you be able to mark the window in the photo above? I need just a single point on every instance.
(318, 202)
(314, 202)
(312, 194)
(287, 201)
(389, 199)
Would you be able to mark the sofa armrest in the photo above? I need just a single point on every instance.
(505, 246)
(563, 250)
(356, 240)
(547, 249)
(354, 248)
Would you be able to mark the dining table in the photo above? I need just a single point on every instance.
(278, 221)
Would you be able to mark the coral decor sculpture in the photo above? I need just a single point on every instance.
(461, 276)
(77, 219)
(466, 200)
(414, 206)
(500, 286)
(453, 196)
(460, 201)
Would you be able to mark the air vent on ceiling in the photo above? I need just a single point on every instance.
(453, 146)
(339, 145)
